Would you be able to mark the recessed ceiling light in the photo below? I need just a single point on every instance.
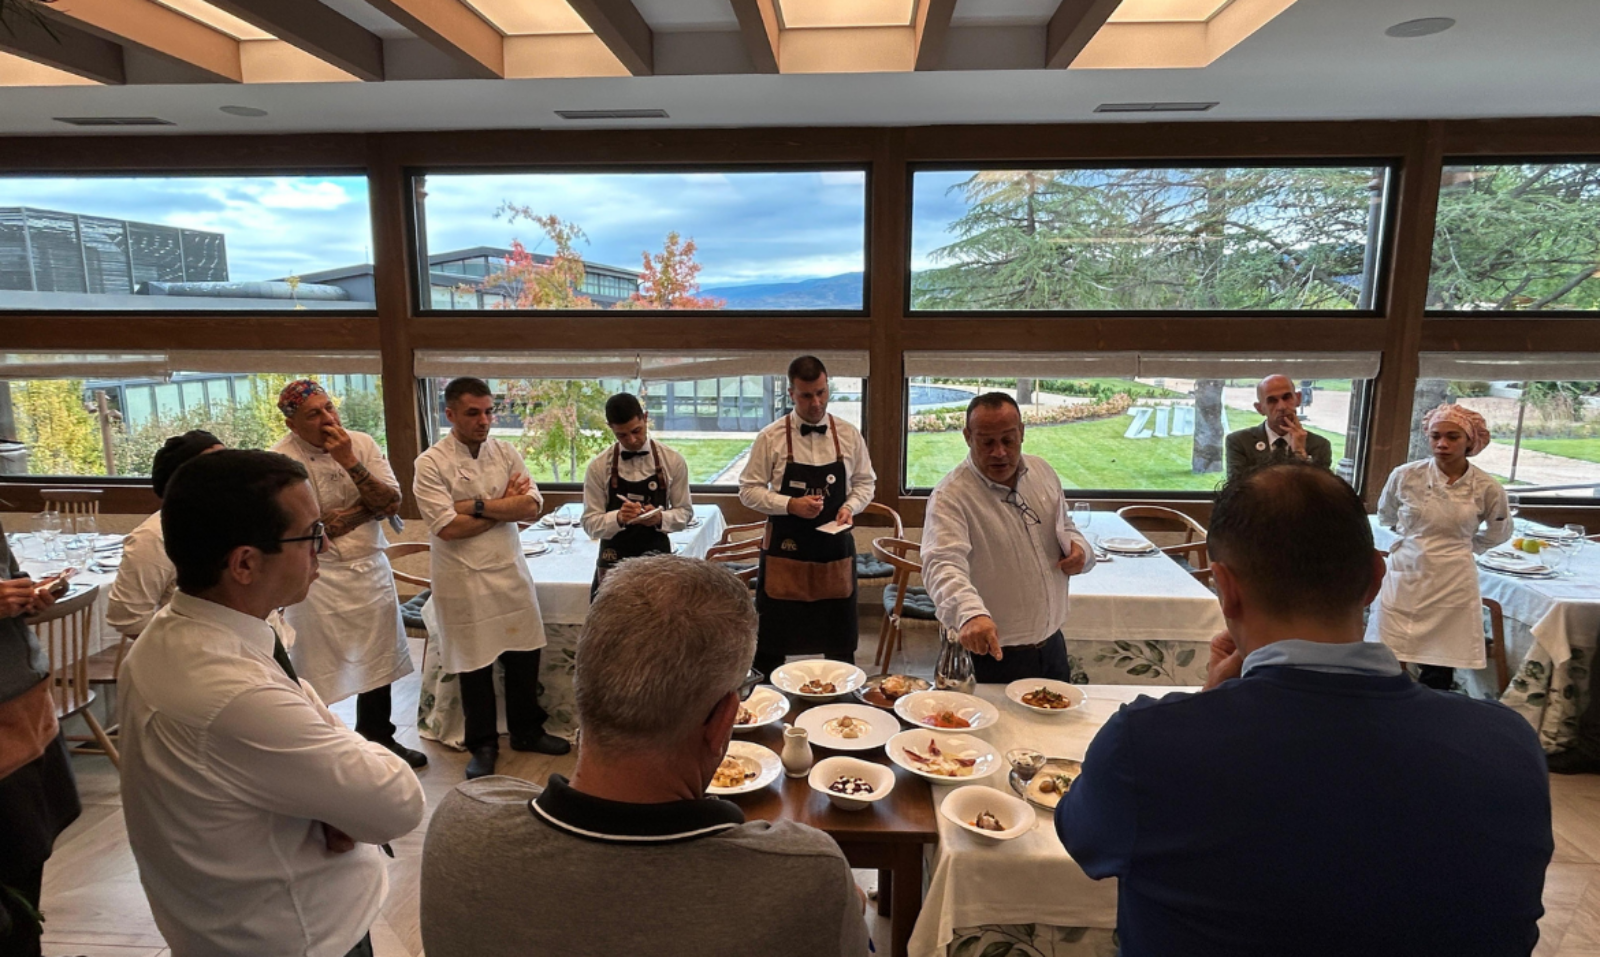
(1425, 27)
(250, 111)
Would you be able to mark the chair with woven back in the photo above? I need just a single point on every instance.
(411, 609)
(1170, 523)
(63, 631)
(904, 605)
(871, 570)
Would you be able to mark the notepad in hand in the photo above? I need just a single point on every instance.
(833, 528)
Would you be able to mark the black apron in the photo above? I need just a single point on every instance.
(632, 541)
(806, 588)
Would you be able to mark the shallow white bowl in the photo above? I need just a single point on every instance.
(987, 759)
(881, 726)
(845, 677)
(919, 706)
(768, 703)
(763, 760)
(828, 770)
(964, 804)
(1016, 689)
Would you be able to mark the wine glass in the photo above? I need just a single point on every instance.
(1082, 515)
(48, 524)
(563, 526)
(1580, 537)
(1555, 555)
(1025, 763)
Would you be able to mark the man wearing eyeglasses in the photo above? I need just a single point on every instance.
(998, 548)
(254, 815)
(351, 640)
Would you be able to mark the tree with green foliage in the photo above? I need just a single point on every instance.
(563, 422)
(62, 435)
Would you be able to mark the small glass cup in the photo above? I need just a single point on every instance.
(1555, 555)
(563, 528)
(1082, 515)
(1025, 763)
(77, 552)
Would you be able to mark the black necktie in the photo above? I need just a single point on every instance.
(1280, 449)
(630, 456)
(808, 429)
(280, 654)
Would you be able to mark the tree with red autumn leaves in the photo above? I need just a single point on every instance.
(668, 280)
(556, 283)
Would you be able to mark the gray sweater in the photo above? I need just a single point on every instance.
(22, 661)
(578, 875)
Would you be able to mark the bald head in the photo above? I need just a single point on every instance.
(1277, 398)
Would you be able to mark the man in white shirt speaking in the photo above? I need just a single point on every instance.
(998, 548)
(253, 813)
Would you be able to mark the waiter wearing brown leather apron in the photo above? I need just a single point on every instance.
(807, 471)
(635, 492)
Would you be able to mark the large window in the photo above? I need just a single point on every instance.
(1517, 237)
(1146, 239)
(708, 408)
(1152, 432)
(107, 415)
(153, 243)
(735, 241)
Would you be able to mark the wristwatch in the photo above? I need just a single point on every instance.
(477, 508)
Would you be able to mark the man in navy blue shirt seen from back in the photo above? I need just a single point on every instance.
(1313, 799)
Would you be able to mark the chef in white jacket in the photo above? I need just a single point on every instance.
(472, 489)
(350, 639)
(1444, 510)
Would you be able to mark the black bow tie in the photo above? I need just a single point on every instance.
(627, 456)
(808, 429)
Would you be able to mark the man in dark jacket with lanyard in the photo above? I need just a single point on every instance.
(635, 492)
(807, 471)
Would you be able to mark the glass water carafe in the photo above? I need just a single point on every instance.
(954, 671)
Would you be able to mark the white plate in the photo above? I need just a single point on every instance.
(1127, 546)
(986, 758)
(1550, 534)
(881, 726)
(764, 761)
(845, 677)
(530, 549)
(1016, 689)
(829, 770)
(1514, 563)
(1030, 792)
(920, 706)
(768, 703)
(964, 804)
(695, 522)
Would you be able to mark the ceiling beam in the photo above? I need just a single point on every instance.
(933, 29)
(454, 29)
(158, 29)
(758, 21)
(1071, 28)
(620, 27)
(316, 29)
(65, 47)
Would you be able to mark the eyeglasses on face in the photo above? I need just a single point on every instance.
(318, 538)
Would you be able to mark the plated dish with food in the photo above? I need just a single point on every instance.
(746, 767)
(1050, 784)
(947, 710)
(851, 784)
(1046, 696)
(988, 813)
(882, 691)
(848, 727)
(765, 705)
(817, 679)
(941, 757)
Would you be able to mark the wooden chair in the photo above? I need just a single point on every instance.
(870, 570)
(742, 533)
(63, 631)
(1170, 521)
(399, 551)
(743, 558)
(896, 617)
(71, 501)
(1496, 643)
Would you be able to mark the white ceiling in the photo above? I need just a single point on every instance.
(1321, 59)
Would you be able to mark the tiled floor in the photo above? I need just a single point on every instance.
(95, 907)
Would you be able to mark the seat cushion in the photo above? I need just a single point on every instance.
(868, 566)
(411, 610)
(918, 604)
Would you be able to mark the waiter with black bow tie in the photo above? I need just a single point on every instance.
(806, 471)
(635, 492)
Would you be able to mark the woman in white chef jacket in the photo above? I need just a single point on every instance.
(1445, 510)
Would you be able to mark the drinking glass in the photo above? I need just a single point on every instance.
(86, 527)
(1555, 558)
(1514, 500)
(1082, 515)
(78, 550)
(48, 524)
(954, 671)
(563, 526)
(1025, 763)
(1580, 537)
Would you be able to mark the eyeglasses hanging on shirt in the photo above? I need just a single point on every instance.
(1029, 516)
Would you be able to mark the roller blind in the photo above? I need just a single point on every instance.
(1127, 365)
(1520, 367)
(439, 363)
(697, 365)
(1324, 365)
(289, 362)
(96, 365)
(1027, 365)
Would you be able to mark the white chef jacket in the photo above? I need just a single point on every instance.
(981, 556)
(599, 523)
(483, 596)
(350, 635)
(1430, 610)
(229, 770)
(762, 479)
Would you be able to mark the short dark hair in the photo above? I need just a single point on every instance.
(622, 408)
(806, 369)
(1297, 532)
(176, 451)
(218, 502)
(991, 400)
(465, 385)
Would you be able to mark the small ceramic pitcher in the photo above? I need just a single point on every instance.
(796, 755)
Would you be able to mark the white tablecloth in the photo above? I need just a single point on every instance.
(1029, 880)
(562, 580)
(100, 634)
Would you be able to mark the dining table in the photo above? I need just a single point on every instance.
(31, 553)
(1137, 619)
(562, 574)
(1552, 634)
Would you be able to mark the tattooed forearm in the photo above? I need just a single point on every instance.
(342, 521)
(375, 495)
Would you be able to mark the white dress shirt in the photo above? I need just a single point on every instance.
(145, 580)
(762, 478)
(229, 770)
(982, 556)
(599, 523)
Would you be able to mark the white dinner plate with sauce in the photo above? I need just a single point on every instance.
(762, 767)
(823, 730)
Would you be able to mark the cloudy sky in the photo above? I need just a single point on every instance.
(750, 227)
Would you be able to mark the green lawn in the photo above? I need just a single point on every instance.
(1091, 455)
(705, 457)
(1586, 449)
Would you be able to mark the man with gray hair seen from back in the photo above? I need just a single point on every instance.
(630, 855)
